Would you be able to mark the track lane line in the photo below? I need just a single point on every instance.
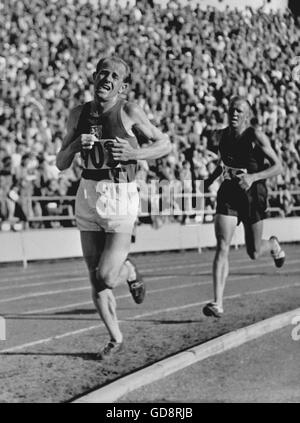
(184, 265)
(83, 279)
(31, 285)
(79, 263)
(61, 291)
(86, 303)
(152, 313)
(43, 293)
(38, 275)
(118, 297)
(39, 268)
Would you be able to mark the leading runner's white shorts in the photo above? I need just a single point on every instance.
(106, 206)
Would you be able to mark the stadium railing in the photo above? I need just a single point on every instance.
(205, 213)
(203, 210)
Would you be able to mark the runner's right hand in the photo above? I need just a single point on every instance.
(87, 141)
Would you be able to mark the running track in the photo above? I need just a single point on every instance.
(50, 301)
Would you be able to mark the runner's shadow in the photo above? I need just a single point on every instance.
(194, 274)
(251, 273)
(76, 311)
(84, 356)
(178, 275)
(49, 317)
(159, 275)
(231, 273)
(169, 322)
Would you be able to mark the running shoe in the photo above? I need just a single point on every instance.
(277, 253)
(212, 309)
(111, 348)
(135, 282)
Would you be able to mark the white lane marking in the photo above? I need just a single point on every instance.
(82, 279)
(118, 297)
(40, 294)
(39, 275)
(30, 285)
(86, 303)
(57, 308)
(152, 313)
(39, 268)
(227, 297)
(79, 264)
(254, 266)
(51, 338)
(61, 291)
(69, 266)
(191, 285)
(74, 279)
(76, 266)
(66, 272)
(77, 279)
(266, 261)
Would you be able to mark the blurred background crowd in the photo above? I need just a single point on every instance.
(186, 63)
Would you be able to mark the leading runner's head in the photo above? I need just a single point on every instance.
(239, 113)
(111, 78)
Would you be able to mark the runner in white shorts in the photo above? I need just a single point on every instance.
(105, 131)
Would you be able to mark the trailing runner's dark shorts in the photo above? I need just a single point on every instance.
(249, 206)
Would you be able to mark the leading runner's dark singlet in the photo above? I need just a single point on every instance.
(241, 156)
(109, 126)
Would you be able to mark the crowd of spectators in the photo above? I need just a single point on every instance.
(186, 64)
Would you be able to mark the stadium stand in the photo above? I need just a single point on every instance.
(186, 63)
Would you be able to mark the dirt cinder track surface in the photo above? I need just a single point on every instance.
(264, 370)
(53, 332)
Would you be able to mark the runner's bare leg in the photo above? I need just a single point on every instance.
(256, 246)
(107, 270)
(224, 230)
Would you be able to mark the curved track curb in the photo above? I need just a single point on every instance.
(110, 393)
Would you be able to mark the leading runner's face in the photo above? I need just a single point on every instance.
(238, 115)
(109, 81)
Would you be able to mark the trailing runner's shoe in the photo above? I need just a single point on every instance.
(135, 282)
(277, 253)
(212, 309)
(111, 348)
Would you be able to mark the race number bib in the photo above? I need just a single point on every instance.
(232, 172)
(100, 156)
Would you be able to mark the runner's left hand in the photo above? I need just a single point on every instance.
(245, 180)
(122, 150)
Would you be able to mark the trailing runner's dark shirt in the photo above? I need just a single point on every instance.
(241, 155)
(241, 152)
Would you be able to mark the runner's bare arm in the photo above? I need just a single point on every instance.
(219, 168)
(247, 179)
(264, 144)
(159, 147)
(70, 145)
(214, 175)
